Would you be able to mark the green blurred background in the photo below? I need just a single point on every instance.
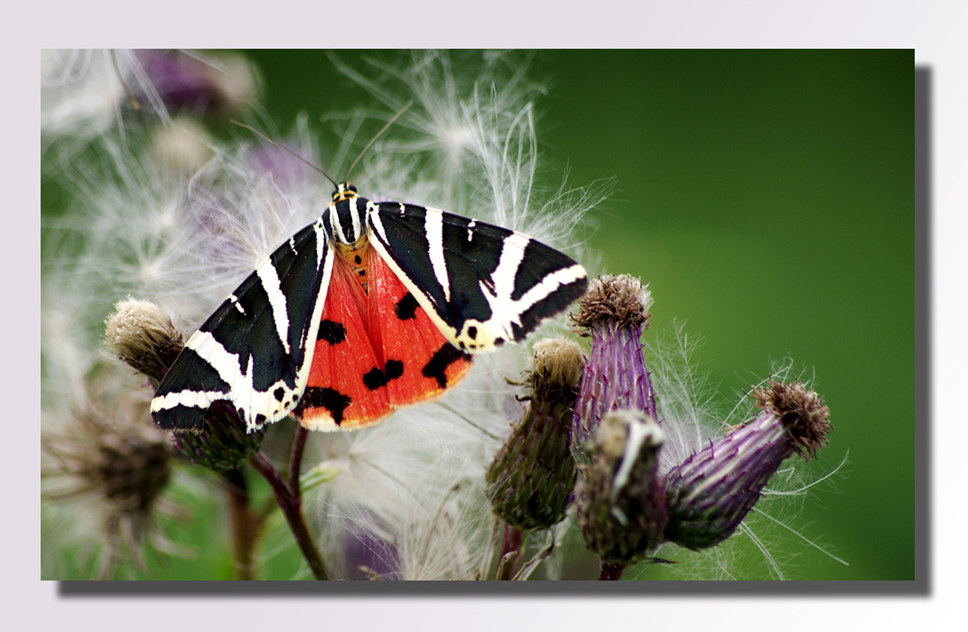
(768, 198)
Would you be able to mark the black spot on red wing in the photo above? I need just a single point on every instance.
(332, 332)
(329, 398)
(374, 379)
(278, 394)
(357, 259)
(406, 307)
(394, 369)
(443, 358)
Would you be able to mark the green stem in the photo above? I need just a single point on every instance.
(245, 527)
(290, 502)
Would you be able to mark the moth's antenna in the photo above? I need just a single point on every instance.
(378, 134)
(285, 149)
(127, 91)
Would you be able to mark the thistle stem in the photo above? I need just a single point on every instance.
(295, 459)
(245, 526)
(290, 502)
(511, 551)
(610, 571)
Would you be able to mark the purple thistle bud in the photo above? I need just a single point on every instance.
(531, 479)
(187, 82)
(141, 335)
(614, 312)
(710, 493)
(620, 499)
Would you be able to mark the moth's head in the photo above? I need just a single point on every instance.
(345, 216)
(344, 191)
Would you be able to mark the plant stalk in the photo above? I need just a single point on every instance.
(290, 502)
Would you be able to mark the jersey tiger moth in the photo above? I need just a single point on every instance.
(374, 306)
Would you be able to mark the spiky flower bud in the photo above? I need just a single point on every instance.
(620, 499)
(614, 313)
(141, 335)
(222, 443)
(530, 481)
(710, 493)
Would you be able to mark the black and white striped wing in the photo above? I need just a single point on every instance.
(255, 351)
(481, 284)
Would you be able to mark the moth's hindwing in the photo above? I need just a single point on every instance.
(252, 351)
(481, 284)
(375, 352)
(420, 362)
(346, 389)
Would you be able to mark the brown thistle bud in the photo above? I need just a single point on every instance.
(531, 479)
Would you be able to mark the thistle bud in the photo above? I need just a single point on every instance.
(531, 479)
(614, 313)
(141, 335)
(216, 87)
(710, 493)
(620, 499)
(222, 443)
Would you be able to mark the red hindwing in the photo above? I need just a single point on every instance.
(375, 351)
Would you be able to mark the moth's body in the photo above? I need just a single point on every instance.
(345, 223)
(372, 307)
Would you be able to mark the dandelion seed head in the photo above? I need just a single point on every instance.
(80, 93)
(183, 238)
(457, 140)
(181, 148)
(104, 458)
(236, 79)
(397, 477)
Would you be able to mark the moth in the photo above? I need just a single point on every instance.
(372, 307)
